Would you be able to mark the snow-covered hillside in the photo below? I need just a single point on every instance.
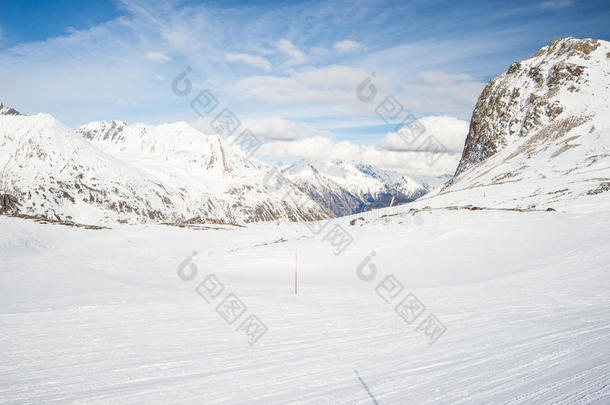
(104, 317)
(348, 187)
(182, 156)
(540, 133)
(110, 172)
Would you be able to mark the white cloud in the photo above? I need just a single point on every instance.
(126, 101)
(252, 60)
(422, 163)
(289, 139)
(280, 129)
(449, 131)
(333, 89)
(331, 84)
(557, 4)
(348, 46)
(317, 147)
(269, 129)
(157, 56)
(295, 55)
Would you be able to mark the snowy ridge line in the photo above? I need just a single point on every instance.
(109, 173)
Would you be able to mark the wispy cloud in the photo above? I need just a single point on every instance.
(280, 129)
(295, 55)
(292, 140)
(318, 147)
(252, 60)
(348, 46)
(449, 131)
(157, 56)
(126, 101)
(310, 58)
(328, 84)
(555, 4)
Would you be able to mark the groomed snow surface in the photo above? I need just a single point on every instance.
(102, 316)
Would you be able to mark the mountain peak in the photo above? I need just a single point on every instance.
(569, 45)
(556, 84)
(5, 110)
(539, 133)
(104, 131)
(108, 172)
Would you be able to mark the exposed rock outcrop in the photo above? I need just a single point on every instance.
(540, 133)
(532, 95)
(8, 204)
(5, 110)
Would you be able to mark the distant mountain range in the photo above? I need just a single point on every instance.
(539, 138)
(350, 187)
(110, 172)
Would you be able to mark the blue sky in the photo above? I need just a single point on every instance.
(288, 70)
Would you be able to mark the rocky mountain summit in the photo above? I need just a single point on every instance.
(4, 110)
(541, 129)
(555, 86)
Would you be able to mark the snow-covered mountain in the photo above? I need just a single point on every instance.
(348, 187)
(110, 172)
(540, 133)
(539, 137)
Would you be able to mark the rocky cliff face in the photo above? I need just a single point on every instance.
(555, 86)
(8, 204)
(542, 128)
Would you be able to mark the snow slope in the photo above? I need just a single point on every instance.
(102, 316)
(519, 293)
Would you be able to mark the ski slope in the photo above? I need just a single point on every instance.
(102, 316)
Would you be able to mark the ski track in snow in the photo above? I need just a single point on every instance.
(102, 317)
